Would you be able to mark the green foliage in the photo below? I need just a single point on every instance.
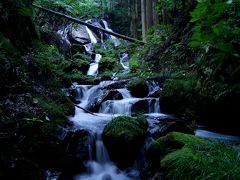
(20, 34)
(49, 64)
(158, 34)
(179, 94)
(190, 157)
(6, 46)
(134, 64)
(83, 8)
(60, 107)
(217, 34)
(167, 4)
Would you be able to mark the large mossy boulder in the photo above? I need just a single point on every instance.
(124, 137)
(138, 88)
(184, 156)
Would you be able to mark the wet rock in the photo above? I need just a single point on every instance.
(141, 106)
(113, 95)
(123, 138)
(96, 100)
(164, 126)
(65, 152)
(138, 88)
(79, 34)
(77, 149)
(117, 84)
(155, 93)
(102, 96)
(73, 93)
(106, 177)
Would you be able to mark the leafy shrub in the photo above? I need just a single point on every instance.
(217, 34)
(84, 8)
(49, 65)
(190, 157)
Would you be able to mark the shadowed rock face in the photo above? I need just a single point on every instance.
(123, 137)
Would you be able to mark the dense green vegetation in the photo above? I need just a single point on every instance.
(192, 49)
(197, 53)
(189, 157)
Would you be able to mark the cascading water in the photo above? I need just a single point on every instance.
(64, 35)
(115, 40)
(92, 37)
(84, 35)
(124, 61)
(93, 69)
(99, 165)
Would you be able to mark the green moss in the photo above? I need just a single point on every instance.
(124, 137)
(126, 127)
(189, 157)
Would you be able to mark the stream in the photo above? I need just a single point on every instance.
(99, 165)
(97, 97)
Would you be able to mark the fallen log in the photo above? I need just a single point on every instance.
(89, 25)
(85, 110)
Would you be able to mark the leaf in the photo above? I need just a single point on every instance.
(194, 44)
(25, 11)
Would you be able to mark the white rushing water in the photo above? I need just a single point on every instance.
(102, 167)
(93, 69)
(92, 37)
(216, 136)
(115, 40)
(124, 61)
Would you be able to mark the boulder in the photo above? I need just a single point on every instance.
(79, 34)
(102, 96)
(142, 106)
(124, 137)
(164, 126)
(172, 142)
(65, 152)
(138, 88)
(117, 84)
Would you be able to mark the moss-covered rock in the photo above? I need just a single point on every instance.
(138, 88)
(123, 137)
(185, 156)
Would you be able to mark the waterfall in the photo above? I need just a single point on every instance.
(124, 61)
(99, 165)
(123, 106)
(125, 93)
(92, 37)
(115, 40)
(63, 33)
(152, 87)
(93, 69)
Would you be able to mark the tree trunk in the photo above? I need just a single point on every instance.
(155, 13)
(143, 15)
(88, 25)
(133, 27)
(149, 14)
